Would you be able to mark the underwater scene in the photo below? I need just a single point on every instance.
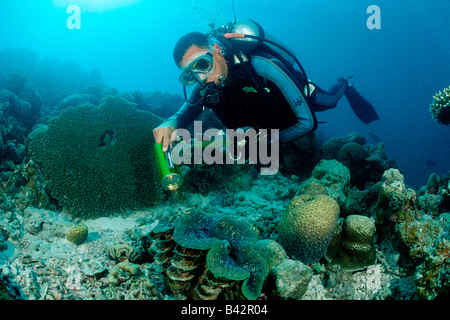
(227, 150)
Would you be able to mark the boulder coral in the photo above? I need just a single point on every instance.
(78, 234)
(97, 159)
(312, 188)
(307, 227)
(334, 176)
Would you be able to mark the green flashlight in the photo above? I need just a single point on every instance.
(169, 172)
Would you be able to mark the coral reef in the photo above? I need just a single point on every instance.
(96, 158)
(228, 233)
(307, 227)
(78, 234)
(353, 245)
(440, 107)
(299, 156)
(14, 127)
(160, 103)
(28, 93)
(353, 156)
(435, 196)
(121, 260)
(365, 162)
(3, 239)
(433, 275)
(24, 186)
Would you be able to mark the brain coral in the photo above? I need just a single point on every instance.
(97, 159)
(308, 226)
(440, 107)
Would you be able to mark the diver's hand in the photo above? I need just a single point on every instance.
(165, 134)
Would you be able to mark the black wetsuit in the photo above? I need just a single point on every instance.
(262, 93)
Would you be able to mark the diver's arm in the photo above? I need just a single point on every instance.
(189, 111)
(272, 69)
(164, 133)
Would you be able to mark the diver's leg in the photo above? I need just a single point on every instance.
(325, 100)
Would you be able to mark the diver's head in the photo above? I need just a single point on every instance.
(200, 61)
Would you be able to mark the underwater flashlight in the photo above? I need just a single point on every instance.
(169, 172)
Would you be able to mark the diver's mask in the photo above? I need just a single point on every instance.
(197, 68)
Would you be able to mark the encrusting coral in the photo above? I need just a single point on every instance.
(440, 107)
(307, 226)
(97, 159)
(395, 200)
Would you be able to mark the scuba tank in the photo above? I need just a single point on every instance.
(169, 172)
(247, 36)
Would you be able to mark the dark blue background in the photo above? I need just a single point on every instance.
(398, 67)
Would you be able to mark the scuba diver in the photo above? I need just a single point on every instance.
(247, 82)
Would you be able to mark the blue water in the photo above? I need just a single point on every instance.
(398, 67)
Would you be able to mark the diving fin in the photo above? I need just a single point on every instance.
(360, 106)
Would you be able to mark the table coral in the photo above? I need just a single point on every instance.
(98, 159)
(308, 226)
